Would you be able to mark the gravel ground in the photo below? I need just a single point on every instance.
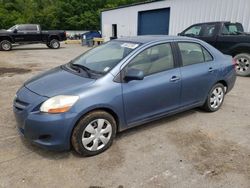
(191, 149)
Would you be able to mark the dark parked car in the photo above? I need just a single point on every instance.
(119, 85)
(87, 38)
(228, 37)
(30, 34)
(91, 34)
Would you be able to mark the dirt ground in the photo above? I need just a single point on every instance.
(192, 149)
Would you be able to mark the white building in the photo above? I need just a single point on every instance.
(171, 16)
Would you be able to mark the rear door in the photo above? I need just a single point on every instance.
(33, 33)
(159, 91)
(197, 72)
(228, 37)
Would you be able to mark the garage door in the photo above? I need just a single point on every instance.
(154, 22)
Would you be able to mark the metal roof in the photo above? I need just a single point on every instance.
(134, 4)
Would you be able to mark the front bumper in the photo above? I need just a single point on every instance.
(50, 131)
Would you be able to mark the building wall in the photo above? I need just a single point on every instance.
(183, 13)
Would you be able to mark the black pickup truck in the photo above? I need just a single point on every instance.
(30, 34)
(227, 37)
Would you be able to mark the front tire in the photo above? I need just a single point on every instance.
(94, 133)
(54, 44)
(215, 98)
(5, 45)
(243, 64)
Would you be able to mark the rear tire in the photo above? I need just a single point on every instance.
(5, 45)
(54, 44)
(242, 64)
(215, 98)
(94, 133)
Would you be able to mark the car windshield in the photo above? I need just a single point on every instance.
(105, 57)
(12, 28)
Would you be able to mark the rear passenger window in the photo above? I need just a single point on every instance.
(191, 53)
(31, 28)
(155, 59)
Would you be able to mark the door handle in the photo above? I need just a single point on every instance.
(210, 69)
(174, 79)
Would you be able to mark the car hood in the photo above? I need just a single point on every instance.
(3, 31)
(57, 82)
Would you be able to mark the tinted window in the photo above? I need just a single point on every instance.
(191, 53)
(155, 59)
(21, 28)
(195, 30)
(230, 29)
(31, 28)
(209, 30)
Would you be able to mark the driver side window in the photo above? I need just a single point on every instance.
(154, 59)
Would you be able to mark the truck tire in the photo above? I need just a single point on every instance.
(54, 44)
(5, 45)
(242, 64)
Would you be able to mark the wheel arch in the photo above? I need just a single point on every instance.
(100, 108)
(224, 83)
(241, 48)
(6, 38)
(90, 110)
(51, 37)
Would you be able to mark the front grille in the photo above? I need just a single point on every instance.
(20, 105)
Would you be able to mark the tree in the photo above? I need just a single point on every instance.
(57, 14)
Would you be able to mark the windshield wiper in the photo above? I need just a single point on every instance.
(81, 67)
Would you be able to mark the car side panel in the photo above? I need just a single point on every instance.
(196, 82)
(153, 95)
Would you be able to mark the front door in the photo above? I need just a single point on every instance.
(159, 91)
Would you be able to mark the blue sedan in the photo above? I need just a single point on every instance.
(119, 85)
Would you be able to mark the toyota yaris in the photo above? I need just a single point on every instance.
(119, 85)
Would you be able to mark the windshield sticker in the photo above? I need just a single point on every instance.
(129, 45)
(106, 69)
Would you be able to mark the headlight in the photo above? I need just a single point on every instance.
(58, 104)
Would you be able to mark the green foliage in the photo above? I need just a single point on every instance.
(57, 14)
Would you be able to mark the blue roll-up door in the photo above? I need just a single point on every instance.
(154, 22)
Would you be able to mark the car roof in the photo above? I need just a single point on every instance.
(218, 22)
(153, 38)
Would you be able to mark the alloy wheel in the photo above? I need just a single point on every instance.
(6, 45)
(242, 64)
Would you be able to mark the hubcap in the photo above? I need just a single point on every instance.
(6, 46)
(55, 44)
(242, 64)
(97, 134)
(216, 97)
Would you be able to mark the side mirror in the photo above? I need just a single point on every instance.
(15, 31)
(133, 74)
(178, 34)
